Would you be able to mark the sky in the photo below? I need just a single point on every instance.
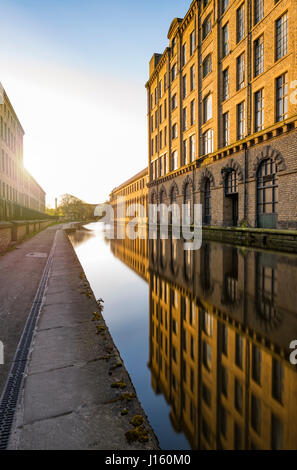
(75, 72)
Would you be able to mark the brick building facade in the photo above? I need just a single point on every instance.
(133, 191)
(222, 113)
(20, 194)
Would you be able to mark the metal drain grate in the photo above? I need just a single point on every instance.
(9, 399)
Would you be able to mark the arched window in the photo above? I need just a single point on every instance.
(173, 196)
(162, 197)
(267, 194)
(206, 203)
(187, 203)
(266, 294)
(231, 192)
(231, 183)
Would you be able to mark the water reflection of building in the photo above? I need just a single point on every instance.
(221, 321)
(134, 253)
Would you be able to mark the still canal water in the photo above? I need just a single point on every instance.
(204, 335)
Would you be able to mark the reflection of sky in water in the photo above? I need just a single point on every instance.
(126, 312)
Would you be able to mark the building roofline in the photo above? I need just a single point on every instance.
(174, 25)
(32, 178)
(12, 108)
(158, 67)
(132, 179)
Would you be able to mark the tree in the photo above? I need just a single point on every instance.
(75, 209)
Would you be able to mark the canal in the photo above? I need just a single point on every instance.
(205, 337)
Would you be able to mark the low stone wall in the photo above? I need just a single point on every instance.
(5, 235)
(19, 230)
(278, 240)
(44, 224)
(15, 231)
(31, 227)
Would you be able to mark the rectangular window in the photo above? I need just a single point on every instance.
(174, 160)
(207, 65)
(259, 110)
(225, 129)
(192, 148)
(258, 10)
(238, 396)
(184, 86)
(206, 395)
(241, 120)
(184, 119)
(224, 382)
(256, 414)
(184, 58)
(192, 42)
(276, 433)
(160, 114)
(165, 136)
(208, 142)
(207, 324)
(185, 152)
(225, 84)
(281, 37)
(240, 23)
(277, 380)
(207, 355)
(239, 351)
(225, 340)
(207, 108)
(225, 40)
(192, 78)
(165, 82)
(192, 112)
(192, 348)
(161, 139)
(156, 119)
(161, 166)
(282, 97)
(173, 72)
(237, 437)
(225, 4)
(240, 68)
(256, 364)
(165, 108)
(223, 421)
(206, 27)
(174, 101)
(174, 131)
(259, 56)
(160, 90)
(173, 44)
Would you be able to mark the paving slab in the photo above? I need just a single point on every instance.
(19, 279)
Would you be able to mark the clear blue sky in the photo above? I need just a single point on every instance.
(75, 72)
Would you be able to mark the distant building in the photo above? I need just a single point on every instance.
(222, 113)
(134, 191)
(20, 195)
